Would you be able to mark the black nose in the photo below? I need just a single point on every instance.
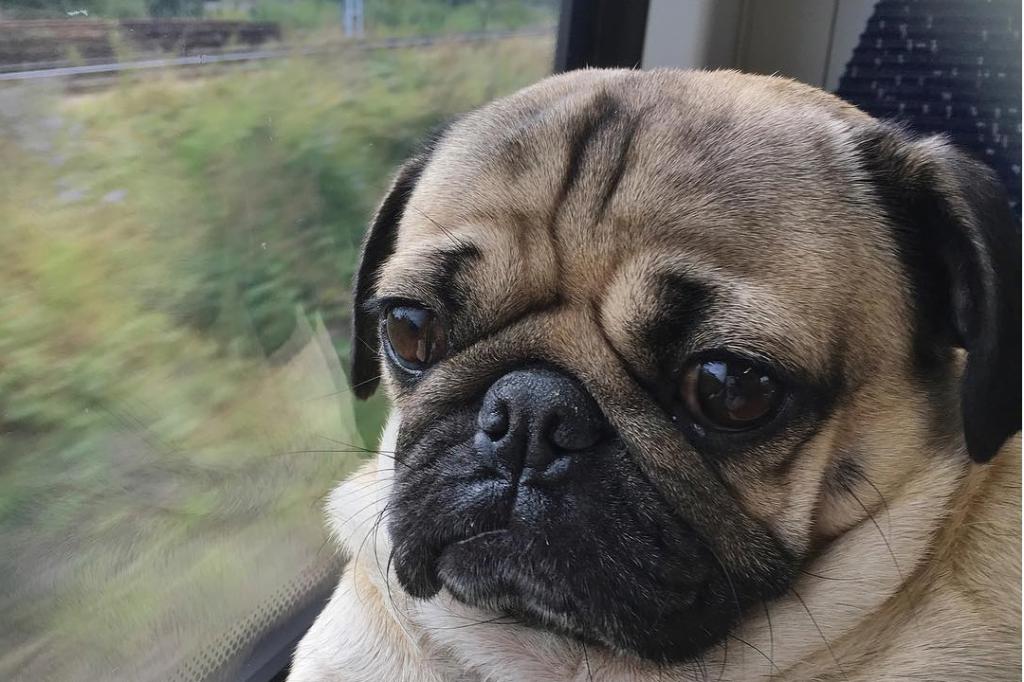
(532, 421)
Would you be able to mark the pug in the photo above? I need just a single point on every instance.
(696, 376)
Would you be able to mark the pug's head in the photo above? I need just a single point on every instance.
(649, 333)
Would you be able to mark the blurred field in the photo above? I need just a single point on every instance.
(301, 17)
(36, 34)
(174, 265)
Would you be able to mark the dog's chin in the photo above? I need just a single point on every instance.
(478, 571)
(482, 571)
(496, 571)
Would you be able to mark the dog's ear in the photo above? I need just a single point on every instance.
(378, 245)
(961, 246)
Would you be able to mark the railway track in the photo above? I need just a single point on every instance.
(251, 56)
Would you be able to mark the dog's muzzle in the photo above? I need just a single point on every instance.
(525, 501)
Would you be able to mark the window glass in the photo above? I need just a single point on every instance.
(184, 186)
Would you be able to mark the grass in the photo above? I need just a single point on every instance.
(175, 261)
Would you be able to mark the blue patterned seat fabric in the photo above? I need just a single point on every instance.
(946, 66)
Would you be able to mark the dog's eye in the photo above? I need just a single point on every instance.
(416, 336)
(730, 395)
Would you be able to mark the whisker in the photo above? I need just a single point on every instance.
(347, 389)
(763, 655)
(821, 633)
(388, 454)
(370, 532)
(355, 476)
(319, 499)
(771, 636)
(586, 660)
(455, 240)
(362, 509)
(342, 451)
(368, 488)
(735, 599)
(323, 544)
(879, 529)
(725, 660)
(700, 664)
(355, 559)
(319, 451)
(370, 348)
(825, 577)
(386, 575)
(368, 380)
(353, 445)
(497, 620)
(859, 473)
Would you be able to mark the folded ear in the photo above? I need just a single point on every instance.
(961, 246)
(378, 246)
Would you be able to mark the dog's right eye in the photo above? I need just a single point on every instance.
(415, 337)
(730, 394)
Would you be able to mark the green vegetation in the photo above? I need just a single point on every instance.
(447, 16)
(401, 17)
(106, 9)
(174, 262)
(383, 17)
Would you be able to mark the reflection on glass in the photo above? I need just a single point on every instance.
(175, 256)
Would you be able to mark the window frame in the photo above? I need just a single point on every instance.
(601, 33)
(271, 657)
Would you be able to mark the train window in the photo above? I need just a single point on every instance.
(184, 185)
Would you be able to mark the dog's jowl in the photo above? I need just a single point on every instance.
(694, 375)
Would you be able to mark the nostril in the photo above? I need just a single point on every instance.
(569, 435)
(494, 421)
(570, 430)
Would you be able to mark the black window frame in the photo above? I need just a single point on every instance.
(601, 33)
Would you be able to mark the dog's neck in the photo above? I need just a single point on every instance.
(846, 586)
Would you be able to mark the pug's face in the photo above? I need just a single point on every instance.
(649, 334)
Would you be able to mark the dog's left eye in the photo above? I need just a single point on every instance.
(730, 394)
(415, 336)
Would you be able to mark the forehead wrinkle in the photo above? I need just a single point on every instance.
(429, 275)
(471, 166)
(758, 322)
(408, 284)
(753, 319)
(742, 315)
(510, 274)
